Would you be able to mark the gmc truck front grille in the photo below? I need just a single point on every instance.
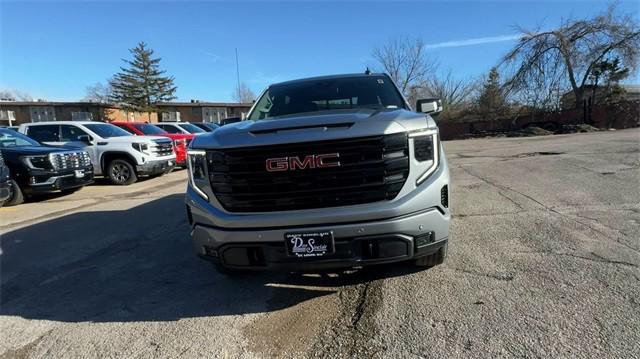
(371, 169)
(163, 148)
(69, 160)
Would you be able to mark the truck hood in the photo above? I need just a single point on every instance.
(132, 139)
(35, 150)
(316, 126)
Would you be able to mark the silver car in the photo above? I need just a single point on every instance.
(324, 173)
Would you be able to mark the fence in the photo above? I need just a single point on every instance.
(619, 116)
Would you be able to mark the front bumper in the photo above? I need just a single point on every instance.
(45, 183)
(155, 167)
(5, 186)
(181, 157)
(356, 244)
(393, 230)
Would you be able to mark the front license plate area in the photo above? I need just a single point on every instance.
(309, 244)
(79, 173)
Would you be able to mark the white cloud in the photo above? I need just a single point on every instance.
(474, 41)
(262, 79)
(213, 57)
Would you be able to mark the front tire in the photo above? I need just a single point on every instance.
(16, 196)
(121, 172)
(432, 260)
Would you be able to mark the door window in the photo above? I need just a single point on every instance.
(70, 133)
(170, 128)
(44, 133)
(126, 129)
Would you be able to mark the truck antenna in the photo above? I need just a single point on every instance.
(238, 77)
(367, 71)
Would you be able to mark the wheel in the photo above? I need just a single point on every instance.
(121, 172)
(15, 196)
(432, 259)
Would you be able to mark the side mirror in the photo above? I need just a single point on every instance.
(84, 138)
(429, 105)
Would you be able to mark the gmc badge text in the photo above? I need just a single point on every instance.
(325, 173)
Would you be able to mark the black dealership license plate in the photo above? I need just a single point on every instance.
(309, 244)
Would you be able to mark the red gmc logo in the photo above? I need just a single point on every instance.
(295, 163)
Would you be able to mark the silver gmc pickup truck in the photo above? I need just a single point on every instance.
(325, 173)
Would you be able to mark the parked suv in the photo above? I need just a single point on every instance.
(181, 127)
(326, 172)
(180, 141)
(115, 153)
(37, 169)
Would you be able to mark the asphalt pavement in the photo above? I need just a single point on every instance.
(544, 261)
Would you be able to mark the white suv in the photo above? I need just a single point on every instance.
(115, 153)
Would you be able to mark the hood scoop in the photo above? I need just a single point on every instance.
(305, 128)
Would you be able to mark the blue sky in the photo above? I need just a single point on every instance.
(54, 50)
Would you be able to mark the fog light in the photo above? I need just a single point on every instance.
(210, 252)
(424, 239)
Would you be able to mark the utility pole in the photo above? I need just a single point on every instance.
(238, 76)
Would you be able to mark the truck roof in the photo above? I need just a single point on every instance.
(326, 78)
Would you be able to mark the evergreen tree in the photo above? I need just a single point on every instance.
(605, 78)
(141, 85)
(492, 101)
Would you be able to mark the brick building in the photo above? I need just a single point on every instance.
(196, 111)
(13, 113)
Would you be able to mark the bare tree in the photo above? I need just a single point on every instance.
(567, 56)
(15, 95)
(405, 61)
(243, 94)
(98, 93)
(454, 92)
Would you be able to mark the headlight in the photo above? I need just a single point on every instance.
(141, 147)
(197, 162)
(425, 149)
(37, 162)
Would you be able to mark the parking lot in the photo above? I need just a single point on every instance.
(544, 261)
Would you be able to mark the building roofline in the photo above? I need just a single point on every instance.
(55, 103)
(204, 103)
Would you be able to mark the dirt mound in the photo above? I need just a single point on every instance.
(530, 131)
(579, 128)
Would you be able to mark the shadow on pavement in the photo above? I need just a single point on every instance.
(138, 265)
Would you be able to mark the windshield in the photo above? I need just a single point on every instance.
(10, 138)
(106, 130)
(149, 129)
(375, 92)
(191, 128)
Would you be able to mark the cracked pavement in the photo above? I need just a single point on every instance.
(544, 261)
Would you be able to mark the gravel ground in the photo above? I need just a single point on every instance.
(544, 260)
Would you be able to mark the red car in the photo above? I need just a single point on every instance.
(180, 140)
